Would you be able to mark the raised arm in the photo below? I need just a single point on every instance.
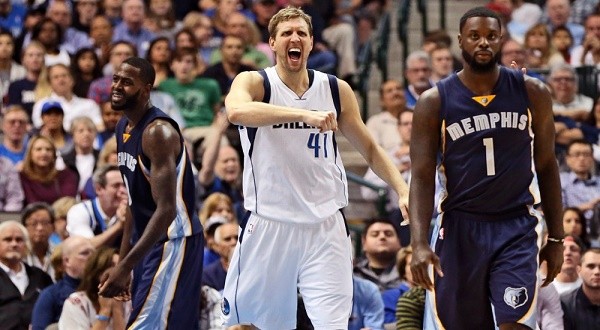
(547, 170)
(211, 153)
(425, 144)
(244, 107)
(356, 132)
(161, 144)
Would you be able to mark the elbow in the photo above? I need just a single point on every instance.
(234, 115)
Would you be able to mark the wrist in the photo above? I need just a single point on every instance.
(102, 317)
(552, 239)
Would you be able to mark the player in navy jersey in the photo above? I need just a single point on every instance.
(490, 132)
(294, 237)
(163, 241)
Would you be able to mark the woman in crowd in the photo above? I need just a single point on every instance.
(541, 54)
(159, 55)
(574, 223)
(85, 309)
(40, 179)
(85, 68)
(82, 158)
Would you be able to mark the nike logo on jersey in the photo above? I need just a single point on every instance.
(126, 137)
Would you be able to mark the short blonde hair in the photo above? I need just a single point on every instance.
(286, 14)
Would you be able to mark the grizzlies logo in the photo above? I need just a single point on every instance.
(515, 297)
(225, 306)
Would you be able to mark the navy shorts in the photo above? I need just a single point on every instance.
(490, 268)
(166, 285)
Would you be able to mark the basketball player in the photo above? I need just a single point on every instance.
(163, 243)
(490, 132)
(294, 236)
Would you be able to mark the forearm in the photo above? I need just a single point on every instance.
(383, 166)
(108, 236)
(549, 184)
(422, 191)
(256, 114)
(155, 230)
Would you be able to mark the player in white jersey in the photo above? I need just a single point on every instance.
(294, 236)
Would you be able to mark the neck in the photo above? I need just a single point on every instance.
(14, 145)
(83, 151)
(582, 175)
(135, 115)
(40, 250)
(14, 265)
(32, 75)
(5, 64)
(593, 294)
(231, 69)
(394, 111)
(67, 95)
(296, 81)
(480, 83)
(109, 210)
(379, 263)
(225, 263)
(567, 276)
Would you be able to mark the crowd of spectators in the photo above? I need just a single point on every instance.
(58, 153)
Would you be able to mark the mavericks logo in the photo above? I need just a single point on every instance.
(225, 306)
(515, 297)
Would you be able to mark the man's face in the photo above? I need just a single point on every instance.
(563, 85)
(232, 50)
(120, 53)
(441, 62)
(392, 96)
(33, 58)
(133, 11)
(558, 11)
(480, 41)
(114, 191)
(110, 117)
(236, 25)
(84, 135)
(12, 245)
(571, 255)
(590, 270)
(14, 125)
(100, 30)
(228, 165)
(292, 44)
(381, 239)
(592, 25)
(227, 235)
(40, 226)
(59, 13)
(126, 88)
(418, 73)
(7, 47)
(580, 159)
(48, 34)
(75, 262)
(60, 80)
(184, 68)
(405, 125)
(86, 9)
(53, 119)
(512, 51)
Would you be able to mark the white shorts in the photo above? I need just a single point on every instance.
(275, 259)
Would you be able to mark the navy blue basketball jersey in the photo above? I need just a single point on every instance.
(136, 170)
(486, 156)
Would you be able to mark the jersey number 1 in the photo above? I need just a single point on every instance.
(489, 156)
(314, 142)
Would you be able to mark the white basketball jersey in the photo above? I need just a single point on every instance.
(292, 172)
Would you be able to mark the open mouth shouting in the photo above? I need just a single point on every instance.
(294, 54)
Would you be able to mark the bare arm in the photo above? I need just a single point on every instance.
(356, 132)
(211, 153)
(244, 107)
(161, 144)
(547, 171)
(423, 153)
